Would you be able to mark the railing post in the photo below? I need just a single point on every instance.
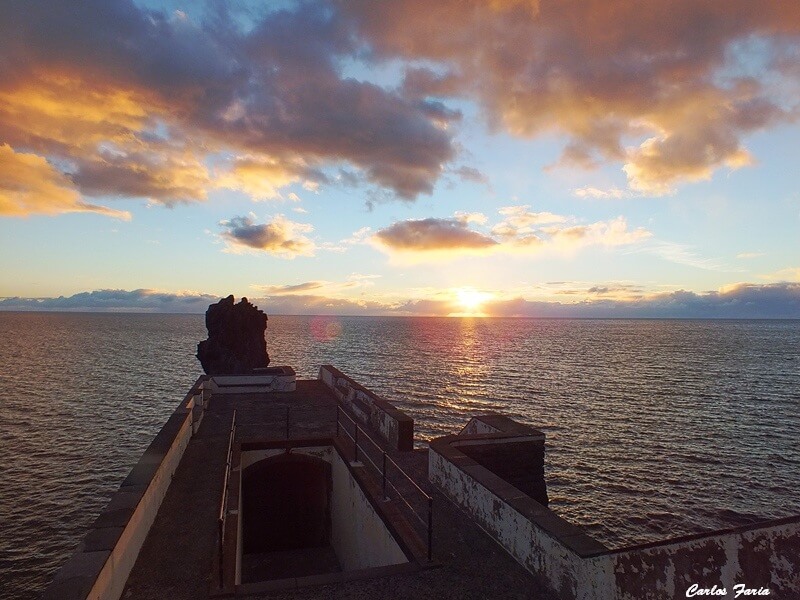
(221, 544)
(356, 441)
(430, 529)
(337, 420)
(384, 476)
(287, 422)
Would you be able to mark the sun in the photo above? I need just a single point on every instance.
(471, 300)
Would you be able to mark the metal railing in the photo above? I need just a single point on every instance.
(359, 436)
(223, 503)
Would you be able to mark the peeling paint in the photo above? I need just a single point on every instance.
(765, 555)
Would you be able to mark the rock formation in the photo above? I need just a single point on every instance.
(235, 344)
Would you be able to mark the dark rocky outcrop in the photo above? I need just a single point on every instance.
(235, 344)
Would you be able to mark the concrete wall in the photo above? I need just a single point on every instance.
(100, 567)
(358, 535)
(765, 555)
(577, 567)
(509, 516)
(393, 425)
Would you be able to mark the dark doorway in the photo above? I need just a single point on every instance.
(286, 504)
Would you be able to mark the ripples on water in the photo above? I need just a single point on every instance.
(654, 428)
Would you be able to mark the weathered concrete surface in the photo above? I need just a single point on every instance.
(574, 566)
(757, 556)
(176, 561)
(391, 424)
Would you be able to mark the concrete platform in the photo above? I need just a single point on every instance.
(289, 563)
(177, 559)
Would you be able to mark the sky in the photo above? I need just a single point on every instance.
(574, 158)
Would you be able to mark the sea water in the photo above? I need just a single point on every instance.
(654, 428)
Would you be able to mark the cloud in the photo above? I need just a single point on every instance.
(472, 175)
(739, 301)
(683, 254)
(127, 101)
(282, 290)
(748, 255)
(30, 185)
(669, 89)
(328, 289)
(167, 178)
(141, 300)
(610, 233)
(261, 178)
(433, 235)
(784, 275)
(520, 231)
(281, 236)
(611, 193)
(310, 304)
(519, 222)
(358, 237)
(133, 102)
(467, 218)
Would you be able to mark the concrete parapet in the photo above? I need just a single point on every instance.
(392, 424)
(575, 566)
(103, 561)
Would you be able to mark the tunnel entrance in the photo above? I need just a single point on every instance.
(305, 512)
(286, 518)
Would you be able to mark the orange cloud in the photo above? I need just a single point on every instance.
(48, 111)
(520, 232)
(134, 102)
(665, 88)
(433, 236)
(261, 178)
(30, 185)
(104, 135)
(609, 233)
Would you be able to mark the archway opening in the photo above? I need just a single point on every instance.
(286, 518)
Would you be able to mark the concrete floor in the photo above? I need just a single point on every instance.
(289, 563)
(176, 560)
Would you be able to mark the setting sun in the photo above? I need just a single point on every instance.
(471, 300)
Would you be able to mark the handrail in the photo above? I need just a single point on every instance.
(356, 438)
(223, 502)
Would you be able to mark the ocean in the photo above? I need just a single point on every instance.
(654, 428)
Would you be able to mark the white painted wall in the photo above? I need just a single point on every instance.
(358, 535)
(529, 545)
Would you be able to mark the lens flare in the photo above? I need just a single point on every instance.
(325, 329)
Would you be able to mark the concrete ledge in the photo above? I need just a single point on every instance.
(390, 423)
(497, 423)
(100, 567)
(269, 379)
